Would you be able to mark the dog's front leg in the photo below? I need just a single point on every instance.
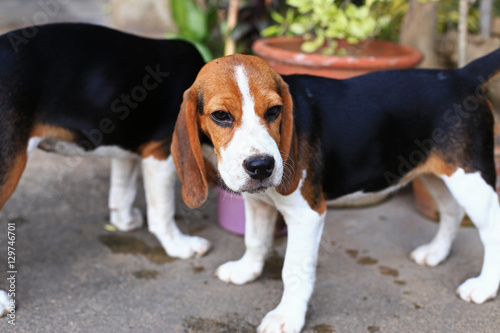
(159, 182)
(299, 270)
(260, 220)
(122, 194)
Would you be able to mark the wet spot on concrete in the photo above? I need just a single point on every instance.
(146, 274)
(372, 329)
(406, 292)
(124, 244)
(367, 261)
(416, 306)
(332, 243)
(198, 269)
(196, 230)
(230, 323)
(382, 218)
(400, 282)
(352, 253)
(323, 328)
(18, 220)
(384, 270)
(273, 267)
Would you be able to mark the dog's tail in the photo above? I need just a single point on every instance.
(484, 69)
(481, 71)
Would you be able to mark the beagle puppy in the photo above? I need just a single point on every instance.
(292, 145)
(80, 89)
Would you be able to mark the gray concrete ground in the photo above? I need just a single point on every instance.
(75, 276)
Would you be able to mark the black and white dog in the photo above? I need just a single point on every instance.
(83, 89)
(292, 144)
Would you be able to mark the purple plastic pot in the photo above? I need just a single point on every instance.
(231, 213)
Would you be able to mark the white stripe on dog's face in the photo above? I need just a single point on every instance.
(250, 139)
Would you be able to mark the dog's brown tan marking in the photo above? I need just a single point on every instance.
(160, 150)
(310, 160)
(14, 168)
(50, 131)
(433, 165)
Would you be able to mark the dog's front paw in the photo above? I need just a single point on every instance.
(240, 271)
(127, 222)
(185, 246)
(282, 320)
(430, 254)
(478, 290)
(4, 303)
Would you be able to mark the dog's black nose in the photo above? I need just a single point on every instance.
(259, 167)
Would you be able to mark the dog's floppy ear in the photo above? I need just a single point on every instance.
(288, 143)
(186, 150)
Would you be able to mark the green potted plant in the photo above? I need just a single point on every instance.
(333, 38)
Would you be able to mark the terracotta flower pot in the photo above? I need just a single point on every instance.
(284, 55)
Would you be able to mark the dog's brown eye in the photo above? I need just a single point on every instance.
(273, 112)
(222, 118)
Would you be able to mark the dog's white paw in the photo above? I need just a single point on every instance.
(4, 303)
(282, 320)
(240, 271)
(127, 222)
(431, 254)
(185, 246)
(478, 290)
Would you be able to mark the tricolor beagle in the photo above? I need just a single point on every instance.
(81, 89)
(292, 147)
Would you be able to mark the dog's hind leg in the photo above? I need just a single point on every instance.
(450, 215)
(480, 202)
(159, 182)
(122, 194)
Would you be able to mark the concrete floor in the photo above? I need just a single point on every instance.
(75, 276)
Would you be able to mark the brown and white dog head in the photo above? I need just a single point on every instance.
(245, 109)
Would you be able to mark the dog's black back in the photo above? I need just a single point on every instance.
(85, 78)
(370, 131)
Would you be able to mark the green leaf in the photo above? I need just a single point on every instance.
(297, 28)
(313, 45)
(270, 31)
(352, 40)
(384, 21)
(277, 17)
(190, 19)
(362, 12)
(290, 15)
